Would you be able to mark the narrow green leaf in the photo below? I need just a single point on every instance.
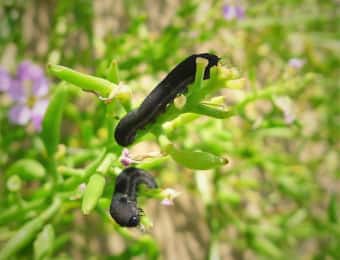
(52, 121)
(332, 209)
(113, 72)
(195, 159)
(43, 244)
(27, 169)
(93, 192)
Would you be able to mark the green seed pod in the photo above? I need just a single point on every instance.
(93, 192)
(195, 159)
(28, 231)
(86, 82)
(43, 244)
(52, 120)
(27, 169)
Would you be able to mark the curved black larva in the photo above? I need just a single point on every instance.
(175, 83)
(123, 208)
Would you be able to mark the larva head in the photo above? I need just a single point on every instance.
(124, 211)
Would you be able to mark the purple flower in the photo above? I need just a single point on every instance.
(125, 158)
(28, 89)
(296, 63)
(5, 80)
(232, 12)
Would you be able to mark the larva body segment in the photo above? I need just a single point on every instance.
(175, 83)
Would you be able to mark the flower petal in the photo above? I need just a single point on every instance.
(20, 114)
(239, 11)
(40, 87)
(228, 12)
(38, 112)
(296, 63)
(29, 71)
(16, 91)
(231, 12)
(5, 80)
(36, 121)
(40, 107)
(125, 158)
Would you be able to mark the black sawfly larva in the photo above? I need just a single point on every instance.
(123, 208)
(175, 83)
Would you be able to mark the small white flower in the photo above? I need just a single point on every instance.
(286, 105)
(82, 187)
(167, 202)
(169, 195)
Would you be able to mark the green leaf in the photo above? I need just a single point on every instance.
(195, 159)
(113, 72)
(93, 192)
(332, 209)
(52, 121)
(43, 244)
(27, 169)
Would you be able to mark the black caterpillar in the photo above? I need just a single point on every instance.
(175, 83)
(123, 208)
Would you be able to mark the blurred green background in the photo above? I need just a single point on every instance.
(278, 197)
